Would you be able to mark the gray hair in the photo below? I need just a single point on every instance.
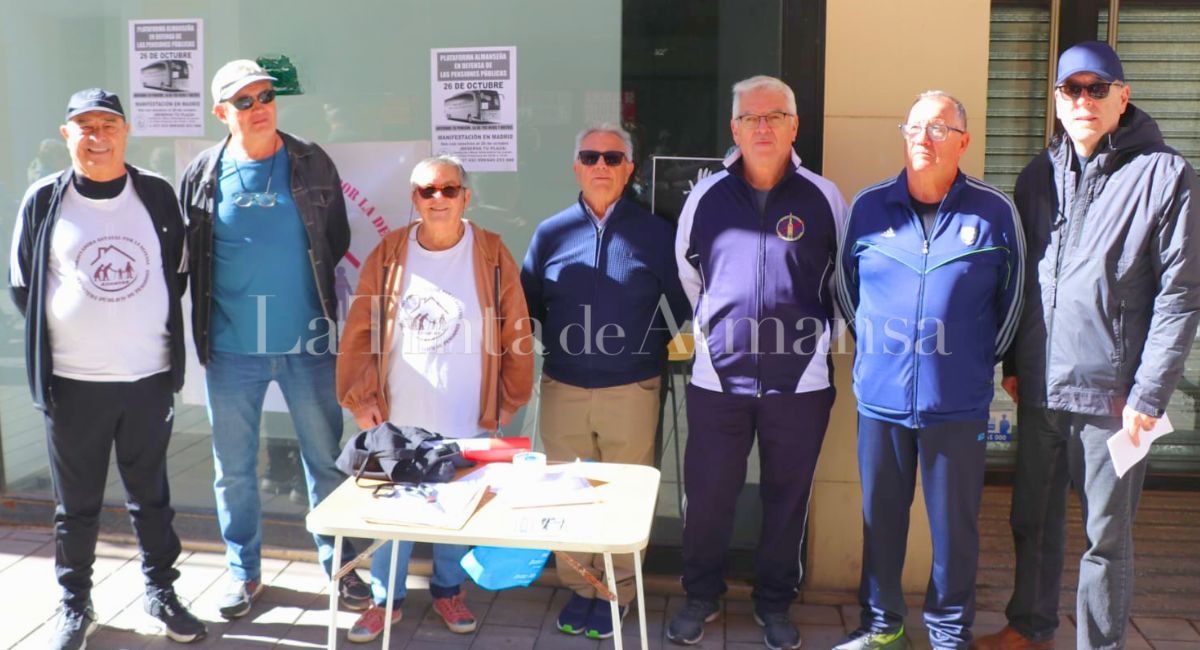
(762, 82)
(605, 127)
(941, 94)
(440, 160)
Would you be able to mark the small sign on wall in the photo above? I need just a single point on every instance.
(474, 106)
(166, 78)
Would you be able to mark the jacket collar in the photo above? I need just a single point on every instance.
(736, 166)
(898, 194)
(613, 211)
(1135, 132)
(296, 149)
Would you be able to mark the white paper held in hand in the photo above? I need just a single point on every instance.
(1125, 455)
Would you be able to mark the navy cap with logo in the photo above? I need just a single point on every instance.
(94, 99)
(1090, 56)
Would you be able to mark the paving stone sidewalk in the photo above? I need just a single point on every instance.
(292, 611)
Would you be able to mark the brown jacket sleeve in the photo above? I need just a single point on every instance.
(358, 382)
(516, 337)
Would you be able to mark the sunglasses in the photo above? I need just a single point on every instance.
(448, 191)
(263, 199)
(246, 101)
(1098, 90)
(611, 158)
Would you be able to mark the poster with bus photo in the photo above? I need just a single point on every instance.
(166, 78)
(474, 106)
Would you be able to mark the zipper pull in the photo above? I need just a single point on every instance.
(925, 248)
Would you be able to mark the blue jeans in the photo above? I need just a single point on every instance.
(1055, 450)
(448, 574)
(237, 385)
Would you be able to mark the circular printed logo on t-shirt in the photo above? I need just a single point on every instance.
(431, 318)
(117, 268)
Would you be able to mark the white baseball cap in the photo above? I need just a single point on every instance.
(234, 76)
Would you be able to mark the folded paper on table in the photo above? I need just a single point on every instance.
(1125, 455)
(531, 486)
(441, 505)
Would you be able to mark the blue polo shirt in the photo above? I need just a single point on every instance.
(264, 294)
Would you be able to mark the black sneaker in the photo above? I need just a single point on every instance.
(353, 593)
(72, 626)
(179, 623)
(778, 631)
(687, 628)
(236, 602)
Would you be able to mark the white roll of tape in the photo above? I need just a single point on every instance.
(530, 458)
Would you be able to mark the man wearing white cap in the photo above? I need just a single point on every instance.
(266, 227)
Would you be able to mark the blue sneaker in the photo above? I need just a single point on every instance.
(575, 614)
(600, 623)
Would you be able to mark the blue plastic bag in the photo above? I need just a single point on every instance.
(494, 567)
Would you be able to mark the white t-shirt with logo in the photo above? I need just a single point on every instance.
(437, 346)
(106, 297)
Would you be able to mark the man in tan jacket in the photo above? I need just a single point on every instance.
(439, 317)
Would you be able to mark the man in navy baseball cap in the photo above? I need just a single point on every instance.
(1112, 207)
(96, 252)
(1090, 56)
(94, 99)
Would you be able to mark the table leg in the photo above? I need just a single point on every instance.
(391, 589)
(616, 610)
(641, 598)
(333, 591)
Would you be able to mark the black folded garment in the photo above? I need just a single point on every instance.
(401, 455)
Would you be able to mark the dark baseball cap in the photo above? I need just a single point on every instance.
(1090, 56)
(94, 99)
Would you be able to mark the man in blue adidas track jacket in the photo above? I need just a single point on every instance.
(755, 248)
(929, 278)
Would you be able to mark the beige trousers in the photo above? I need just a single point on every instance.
(612, 425)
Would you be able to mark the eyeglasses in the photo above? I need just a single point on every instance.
(420, 490)
(246, 101)
(1098, 90)
(937, 131)
(447, 191)
(774, 119)
(611, 158)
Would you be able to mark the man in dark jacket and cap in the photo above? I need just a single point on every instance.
(97, 271)
(1115, 259)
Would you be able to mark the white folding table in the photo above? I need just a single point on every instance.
(618, 523)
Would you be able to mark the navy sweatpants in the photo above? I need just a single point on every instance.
(951, 459)
(721, 430)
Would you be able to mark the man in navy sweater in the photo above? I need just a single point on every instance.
(600, 277)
